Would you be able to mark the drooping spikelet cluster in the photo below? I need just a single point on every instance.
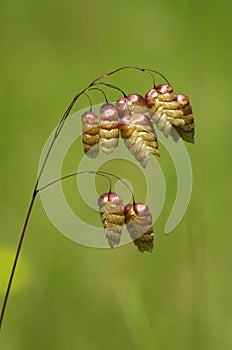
(90, 134)
(171, 112)
(108, 128)
(134, 116)
(101, 133)
(112, 216)
(137, 218)
(138, 221)
(136, 128)
(139, 136)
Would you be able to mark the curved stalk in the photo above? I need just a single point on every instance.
(98, 172)
(35, 190)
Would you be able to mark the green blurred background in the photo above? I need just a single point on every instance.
(67, 296)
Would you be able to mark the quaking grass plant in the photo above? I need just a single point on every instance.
(133, 117)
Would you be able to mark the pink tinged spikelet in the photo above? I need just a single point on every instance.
(139, 136)
(138, 220)
(171, 112)
(90, 134)
(112, 216)
(186, 131)
(159, 100)
(109, 128)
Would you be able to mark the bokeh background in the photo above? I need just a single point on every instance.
(67, 296)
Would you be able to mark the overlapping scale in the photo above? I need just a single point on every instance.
(112, 216)
(186, 131)
(90, 134)
(109, 132)
(172, 112)
(139, 136)
(138, 220)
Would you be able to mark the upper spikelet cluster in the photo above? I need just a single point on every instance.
(101, 133)
(134, 117)
(170, 111)
(139, 136)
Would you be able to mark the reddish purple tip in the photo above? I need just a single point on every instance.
(124, 121)
(164, 88)
(150, 96)
(89, 117)
(109, 197)
(140, 209)
(128, 208)
(136, 99)
(121, 103)
(182, 99)
(109, 112)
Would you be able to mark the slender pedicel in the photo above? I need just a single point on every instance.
(110, 86)
(98, 89)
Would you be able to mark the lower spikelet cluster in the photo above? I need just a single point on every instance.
(139, 136)
(138, 221)
(172, 112)
(112, 216)
(137, 218)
